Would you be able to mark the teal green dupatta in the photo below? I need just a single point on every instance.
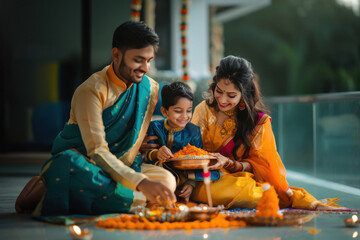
(76, 186)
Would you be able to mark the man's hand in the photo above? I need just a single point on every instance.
(145, 146)
(186, 192)
(156, 192)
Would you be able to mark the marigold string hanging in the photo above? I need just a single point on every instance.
(183, 31)
(135, 10)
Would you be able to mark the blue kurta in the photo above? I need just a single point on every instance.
(190, 134)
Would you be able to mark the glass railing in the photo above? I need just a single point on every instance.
(319, 135)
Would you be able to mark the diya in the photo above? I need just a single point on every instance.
(352, 222)
(79, 234)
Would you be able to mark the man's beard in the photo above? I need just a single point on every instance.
(125, 73)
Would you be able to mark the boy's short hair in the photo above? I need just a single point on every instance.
(171, 93)
(134, 35)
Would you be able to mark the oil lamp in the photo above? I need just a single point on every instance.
(352, 222)
(79, 234)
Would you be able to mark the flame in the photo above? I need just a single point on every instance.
(76, 229)
(354, 218)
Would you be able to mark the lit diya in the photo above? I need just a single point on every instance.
(162, 214)
(352, 222)
(79, 234)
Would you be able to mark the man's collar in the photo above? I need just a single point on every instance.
(115, 79)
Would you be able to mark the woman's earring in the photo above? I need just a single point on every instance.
(242, 105)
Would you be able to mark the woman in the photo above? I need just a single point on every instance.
(234, 125)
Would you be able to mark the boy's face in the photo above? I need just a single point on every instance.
(179, 114)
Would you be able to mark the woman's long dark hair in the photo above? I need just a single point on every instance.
(239, 71)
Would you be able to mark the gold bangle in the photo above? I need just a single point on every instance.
(149, 154)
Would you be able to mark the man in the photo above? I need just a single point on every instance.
(95, 167)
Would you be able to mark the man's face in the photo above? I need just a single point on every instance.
(132, 65)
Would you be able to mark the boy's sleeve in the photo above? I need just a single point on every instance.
(155, 130)
(196, 139)
(197, 175)
(150, 132)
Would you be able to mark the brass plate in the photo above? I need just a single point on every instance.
(289, 218)
(191, 163)
(203, 215)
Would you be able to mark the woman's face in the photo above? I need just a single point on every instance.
(227, 95)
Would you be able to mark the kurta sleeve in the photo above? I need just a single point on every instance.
(151, 132)
(196, 140)
(266, 163)
(87, 107)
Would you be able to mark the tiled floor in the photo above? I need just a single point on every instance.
(17, 226)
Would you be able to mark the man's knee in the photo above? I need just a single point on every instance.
(159, 174)
(169, 180)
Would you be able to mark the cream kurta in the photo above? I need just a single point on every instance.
(97, 93)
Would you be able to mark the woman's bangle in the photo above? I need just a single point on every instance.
(242, 167)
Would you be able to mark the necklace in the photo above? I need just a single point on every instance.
(229, 125)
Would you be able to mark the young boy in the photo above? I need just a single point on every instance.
(174, 133)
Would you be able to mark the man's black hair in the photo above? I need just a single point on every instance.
(134, 35)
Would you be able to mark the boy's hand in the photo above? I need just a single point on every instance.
(186, 192)
(163, 154)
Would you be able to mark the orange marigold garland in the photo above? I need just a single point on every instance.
(183, 30)
(132, 222)
(268, 205)
(190, 150)
(135, 10)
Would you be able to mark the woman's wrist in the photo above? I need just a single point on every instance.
(246, 167)
(236, 166)
(228, 164)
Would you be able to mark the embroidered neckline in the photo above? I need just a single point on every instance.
(171, 129)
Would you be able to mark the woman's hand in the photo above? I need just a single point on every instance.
(163, 154)
(221, 161)
(246, 167)
(145, 146)
(186, 192)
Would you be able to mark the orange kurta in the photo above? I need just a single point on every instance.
(243, 189)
